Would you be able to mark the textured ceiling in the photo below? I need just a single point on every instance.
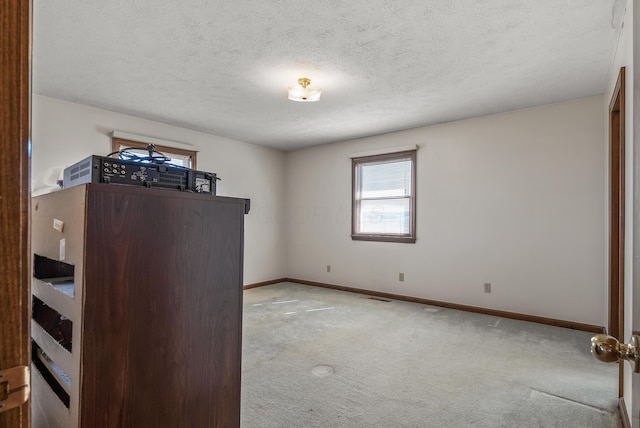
(223, 67)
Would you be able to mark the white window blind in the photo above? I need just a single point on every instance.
(383, 195)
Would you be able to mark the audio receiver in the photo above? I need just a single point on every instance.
(101, 169)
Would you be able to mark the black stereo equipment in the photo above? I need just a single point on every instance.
(100, 169)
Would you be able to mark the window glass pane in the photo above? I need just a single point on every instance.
(386, 179)
(384, 216)
(176, 159)
(179, 160)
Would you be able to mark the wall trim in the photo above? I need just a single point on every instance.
(383, 151)
(262, 284)
(504, 314)
(151, 140)
(624, 414)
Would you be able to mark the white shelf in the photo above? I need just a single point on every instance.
(48, 410)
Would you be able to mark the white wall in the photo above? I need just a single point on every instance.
(515, 199)
(64, 133)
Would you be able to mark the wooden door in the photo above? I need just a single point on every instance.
(15, 54)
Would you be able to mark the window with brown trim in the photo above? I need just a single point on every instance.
(180, 157)
(384, 201)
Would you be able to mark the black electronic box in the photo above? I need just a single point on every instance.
(101, 169)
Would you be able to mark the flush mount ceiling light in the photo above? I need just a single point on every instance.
(302, 93)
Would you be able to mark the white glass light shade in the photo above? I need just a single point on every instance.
(302, 93)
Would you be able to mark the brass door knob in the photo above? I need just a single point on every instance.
(609, 350)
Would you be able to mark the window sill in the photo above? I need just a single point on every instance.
(385, 238)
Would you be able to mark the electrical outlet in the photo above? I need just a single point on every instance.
(487, 287)
(328, 268)
(401, 277)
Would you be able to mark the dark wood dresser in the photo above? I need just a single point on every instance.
(137, 308)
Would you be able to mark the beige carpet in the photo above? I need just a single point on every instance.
(314, 357)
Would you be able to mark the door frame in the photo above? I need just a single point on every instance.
(617, 214)
(15, 260)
